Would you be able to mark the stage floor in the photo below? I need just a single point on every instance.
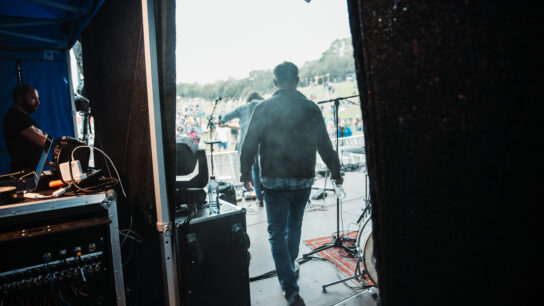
(319, 221)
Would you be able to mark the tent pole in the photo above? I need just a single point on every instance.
(164, 225)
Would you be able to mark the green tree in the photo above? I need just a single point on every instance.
(337, 61)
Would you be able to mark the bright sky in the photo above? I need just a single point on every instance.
(218, 39)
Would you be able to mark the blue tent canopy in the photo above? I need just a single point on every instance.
(45, 24)
(35, 37)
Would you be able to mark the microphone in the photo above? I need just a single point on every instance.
(218, 99)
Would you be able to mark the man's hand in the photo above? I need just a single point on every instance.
(339, 190)
(248, 185)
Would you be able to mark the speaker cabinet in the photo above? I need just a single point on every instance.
(213, 257)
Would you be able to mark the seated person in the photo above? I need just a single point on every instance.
(24, 139)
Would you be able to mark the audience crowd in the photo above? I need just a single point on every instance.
(193, 116)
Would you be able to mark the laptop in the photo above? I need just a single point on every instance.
(32, 179)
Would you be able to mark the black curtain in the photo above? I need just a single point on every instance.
(115, 83)
(449, 97)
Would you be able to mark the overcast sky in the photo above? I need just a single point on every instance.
(218, 39)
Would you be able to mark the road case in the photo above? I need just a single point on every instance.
(66, 249)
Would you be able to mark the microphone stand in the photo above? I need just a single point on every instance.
(337, 239)
(210, 127)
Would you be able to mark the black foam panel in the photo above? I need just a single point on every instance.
(115, 83)
(449, 103)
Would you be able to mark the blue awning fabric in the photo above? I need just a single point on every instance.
(45, 24)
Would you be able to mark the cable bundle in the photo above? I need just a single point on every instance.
(104, 184)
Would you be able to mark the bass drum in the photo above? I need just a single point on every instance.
(365, 245)
(370, 260)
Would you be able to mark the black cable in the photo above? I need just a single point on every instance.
(263, 276)
(12, 174)
(92, 189)
(273, 273)
(129, 256)
(187, 220)
(106, 184)
(52, 285)
(102, 148)
(129, 123)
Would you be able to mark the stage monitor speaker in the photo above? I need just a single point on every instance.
(214, 258)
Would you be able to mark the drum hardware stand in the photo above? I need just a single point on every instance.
(337, 239)
(368, 207)
(358, 275)
(211, 127)
(360, 272)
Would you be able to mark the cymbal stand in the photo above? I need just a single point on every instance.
(338, 239)
(358, 275)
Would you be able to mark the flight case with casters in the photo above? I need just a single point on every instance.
(62, 251)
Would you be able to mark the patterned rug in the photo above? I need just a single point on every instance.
(344, 261)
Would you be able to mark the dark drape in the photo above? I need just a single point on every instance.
(449, 93)
(115, 83)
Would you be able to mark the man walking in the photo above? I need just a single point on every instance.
(244, 113)
(287, 130)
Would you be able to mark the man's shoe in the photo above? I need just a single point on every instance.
(260, 202)
(295, 300)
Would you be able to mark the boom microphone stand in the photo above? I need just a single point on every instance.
(337, 239)
(210, 127)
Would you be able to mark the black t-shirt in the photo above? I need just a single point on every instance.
(24, 153)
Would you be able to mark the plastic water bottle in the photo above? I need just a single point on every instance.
(213, 195)
(339, 190)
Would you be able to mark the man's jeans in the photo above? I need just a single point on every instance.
(256, 173)
(285, 209)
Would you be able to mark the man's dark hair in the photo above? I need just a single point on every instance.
(21, 91)
(254, 96)
(286, 73)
